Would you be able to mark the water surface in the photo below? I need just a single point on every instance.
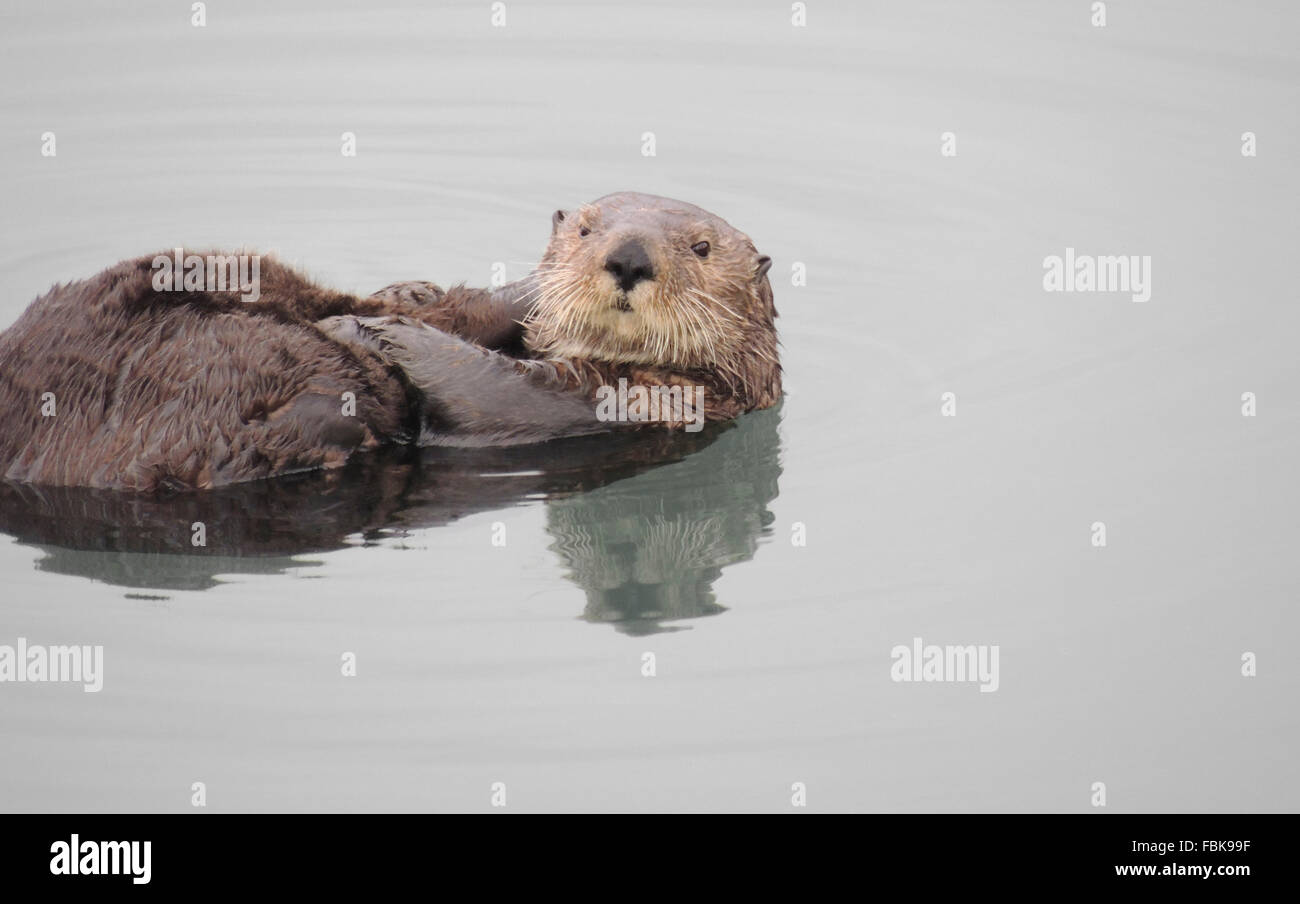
(522, 663)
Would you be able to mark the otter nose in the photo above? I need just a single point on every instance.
(629, 264)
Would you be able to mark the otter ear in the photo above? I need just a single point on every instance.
(556, 219)
(764, 264)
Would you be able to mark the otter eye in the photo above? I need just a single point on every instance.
(701, 249)
(584, 231)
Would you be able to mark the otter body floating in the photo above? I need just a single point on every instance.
(134, 380)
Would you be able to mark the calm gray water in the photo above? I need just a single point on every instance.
(480, 663)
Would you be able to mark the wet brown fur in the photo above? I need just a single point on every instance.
(197, 389)
(200, 389)
(706, 321)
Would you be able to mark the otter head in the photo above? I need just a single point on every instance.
(642, 280)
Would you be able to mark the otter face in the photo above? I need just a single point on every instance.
(639, 279)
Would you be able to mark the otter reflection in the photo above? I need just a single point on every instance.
(644, 522)
(648, 549)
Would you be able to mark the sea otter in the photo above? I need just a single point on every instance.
(114, 382)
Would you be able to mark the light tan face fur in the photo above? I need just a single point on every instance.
(697, 311)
